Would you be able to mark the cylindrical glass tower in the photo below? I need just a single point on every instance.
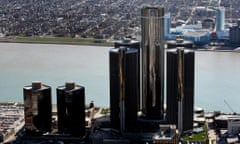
(180, 88)
(124, 88)
(71, 109)
(152, 19)
(37, 108)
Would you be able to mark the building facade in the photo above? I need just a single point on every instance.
(152, 19)
(124, 88)
(37, 108)
(180, 88)
(71, 109)
(234, 34)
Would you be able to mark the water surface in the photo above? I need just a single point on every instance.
(216, 73)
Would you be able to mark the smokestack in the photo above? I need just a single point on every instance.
(152, 61)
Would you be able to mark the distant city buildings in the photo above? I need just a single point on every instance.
(234, 34)
(114, 20)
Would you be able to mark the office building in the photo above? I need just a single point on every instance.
(233, 124)
(180, 88)
(167, 25)
(131, 44)
(37, 108)
(124, 88)
(71, 109)
(152, 19)
(234, 34)
(167, 134)
(220, 19)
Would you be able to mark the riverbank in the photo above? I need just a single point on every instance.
(57, 40)
(91, 42)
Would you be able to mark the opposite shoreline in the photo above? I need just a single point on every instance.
(57, 40)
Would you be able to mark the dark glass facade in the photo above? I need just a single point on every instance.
(132, 44)
(234, 34)
(71, 110)
(124, 88)
(37, 108)
(152, 19)
(173, 89)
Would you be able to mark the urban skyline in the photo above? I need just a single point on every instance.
(111, 20)
(137, 113)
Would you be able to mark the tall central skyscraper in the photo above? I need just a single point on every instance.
(152, 62)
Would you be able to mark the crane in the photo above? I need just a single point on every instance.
(229, 106)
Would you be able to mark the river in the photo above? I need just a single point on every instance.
(216, 73)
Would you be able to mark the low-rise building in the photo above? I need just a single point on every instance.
(168, 134)
(234, 34)
(234, 125)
